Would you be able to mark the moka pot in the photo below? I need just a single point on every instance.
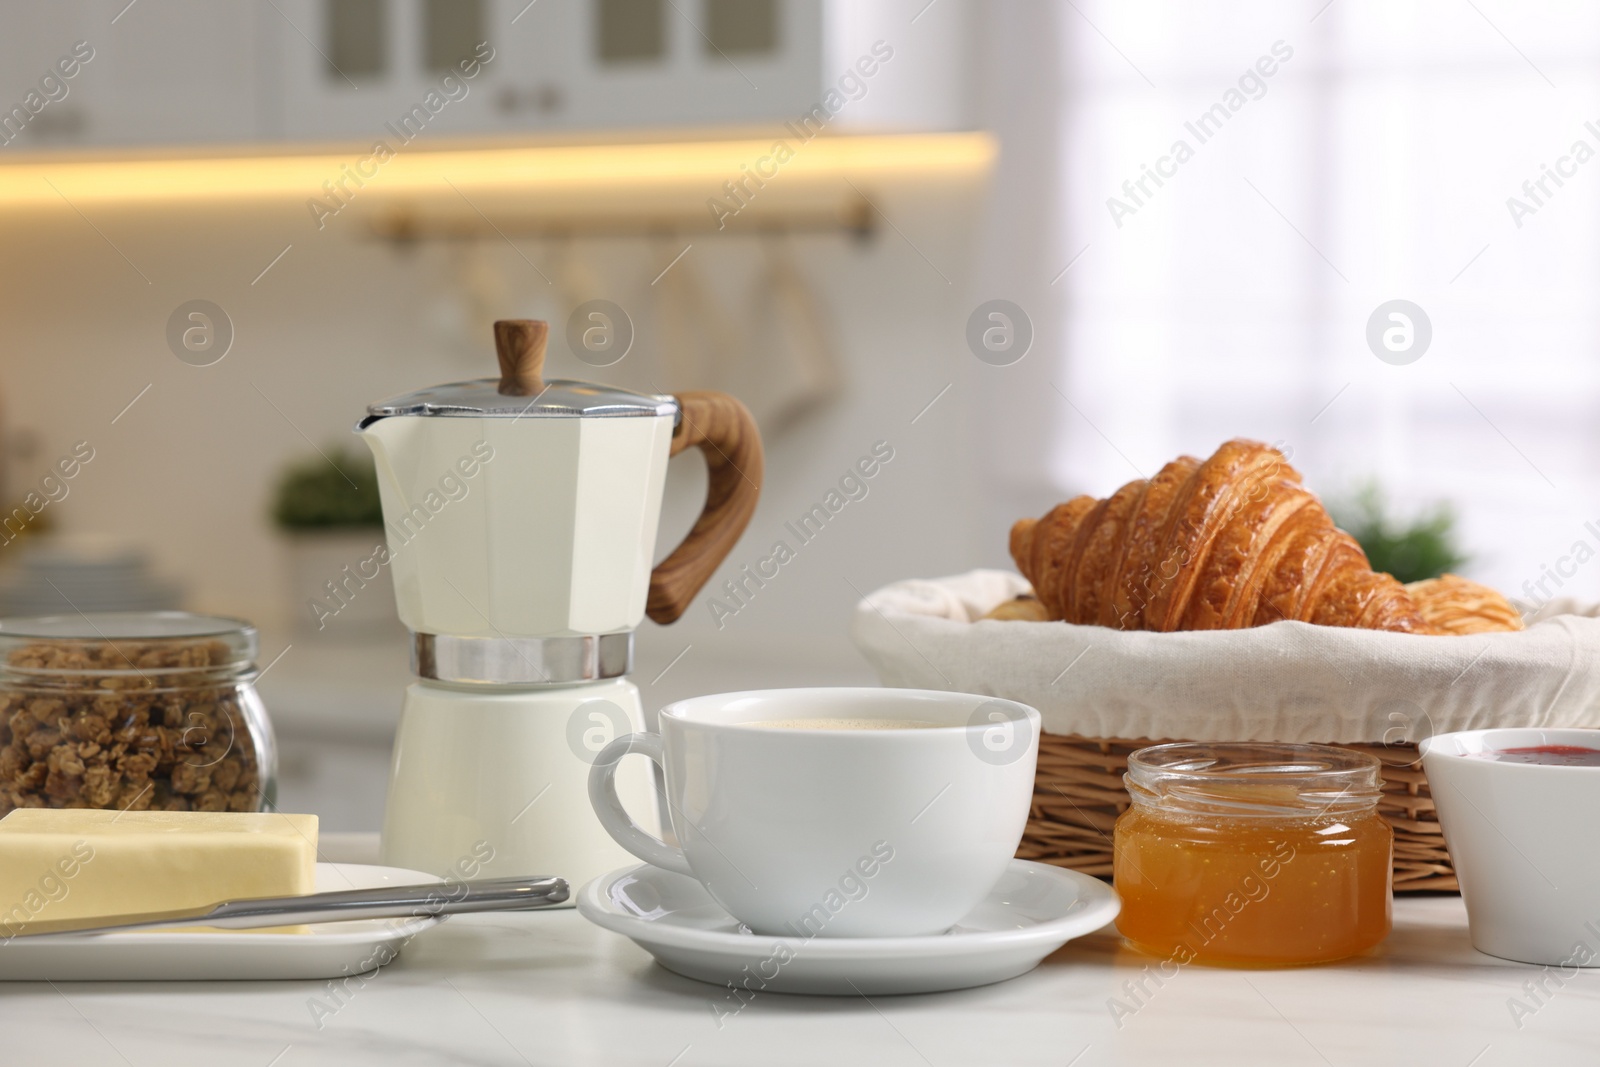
(520, 518)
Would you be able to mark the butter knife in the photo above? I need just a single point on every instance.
(427, 900)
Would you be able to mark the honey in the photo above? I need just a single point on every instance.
(1253, 855)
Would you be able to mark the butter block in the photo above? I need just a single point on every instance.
(78, 862)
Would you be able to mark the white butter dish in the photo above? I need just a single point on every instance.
(324, 950)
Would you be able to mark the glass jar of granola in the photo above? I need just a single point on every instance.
(132, 711)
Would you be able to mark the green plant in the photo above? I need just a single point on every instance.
(337, 489)
(1423, 547)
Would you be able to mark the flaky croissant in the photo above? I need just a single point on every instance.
(1024, 608)
(1455, 605)
(1230, 542)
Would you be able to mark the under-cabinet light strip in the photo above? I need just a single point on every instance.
(576, 168)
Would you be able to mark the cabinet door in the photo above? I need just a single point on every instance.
(176, 72)
(354, 68)
(368, 70)
(43, 108)
(169, 72)
(691, 62)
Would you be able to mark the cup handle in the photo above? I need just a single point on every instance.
(615, 818)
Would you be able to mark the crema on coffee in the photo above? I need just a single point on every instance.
(843, 724)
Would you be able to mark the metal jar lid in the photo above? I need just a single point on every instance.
(521, 391)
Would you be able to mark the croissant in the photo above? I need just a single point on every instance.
(1227, 543)
(1024, 608)
(1455, 605)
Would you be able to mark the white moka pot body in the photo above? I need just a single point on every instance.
(534, 527)
(498, 780)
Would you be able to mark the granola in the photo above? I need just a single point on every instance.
(132, 725)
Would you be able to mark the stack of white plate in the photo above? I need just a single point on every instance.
(61, 575)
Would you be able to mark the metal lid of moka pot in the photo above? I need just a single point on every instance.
(521, 391)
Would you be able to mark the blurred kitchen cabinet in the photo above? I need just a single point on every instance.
(178, 71)
(170, 72)
(677, 62)
(186, 72)
(40, 106)
(354, 68)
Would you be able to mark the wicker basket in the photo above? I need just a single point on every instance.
(1078, 794)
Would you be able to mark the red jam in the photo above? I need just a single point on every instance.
(1552, 755)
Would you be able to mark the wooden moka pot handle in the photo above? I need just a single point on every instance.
(520, 346)
(722, 428)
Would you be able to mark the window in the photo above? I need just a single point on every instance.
(1225, 289)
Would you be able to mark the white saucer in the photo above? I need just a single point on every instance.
(1034, 910)
(324, 950)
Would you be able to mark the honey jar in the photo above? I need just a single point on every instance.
(1253, 854)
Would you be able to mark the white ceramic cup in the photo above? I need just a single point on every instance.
(835, 833)
(1524, 842)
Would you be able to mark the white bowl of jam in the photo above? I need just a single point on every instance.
(1520, 809)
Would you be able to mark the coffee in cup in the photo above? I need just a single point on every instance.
(841, 724)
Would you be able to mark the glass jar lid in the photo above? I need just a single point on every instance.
(130, 643)
(1254, 779)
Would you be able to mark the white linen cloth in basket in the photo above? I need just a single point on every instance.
(1290, 681)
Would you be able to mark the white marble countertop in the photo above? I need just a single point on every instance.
(549, 988)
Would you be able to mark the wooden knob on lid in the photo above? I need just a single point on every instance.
(520, 345)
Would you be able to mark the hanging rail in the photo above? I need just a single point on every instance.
(856, 217)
